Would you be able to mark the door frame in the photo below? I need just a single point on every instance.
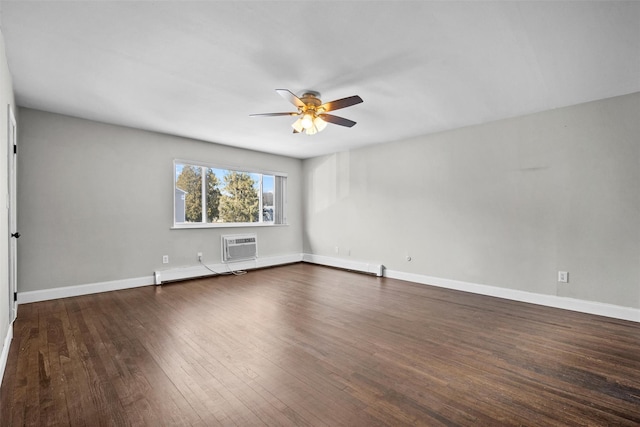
(12, 172)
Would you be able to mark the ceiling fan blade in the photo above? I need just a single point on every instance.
(273, 114)
(341, 103)
(289, 96)
(337, 120)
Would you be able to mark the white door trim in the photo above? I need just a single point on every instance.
(12, 169)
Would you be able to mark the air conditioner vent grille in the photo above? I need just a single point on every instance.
(239, 247)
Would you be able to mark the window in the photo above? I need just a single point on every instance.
(206, 195)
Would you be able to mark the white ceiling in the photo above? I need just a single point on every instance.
(198, 69)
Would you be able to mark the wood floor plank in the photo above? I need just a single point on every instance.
(304, 345)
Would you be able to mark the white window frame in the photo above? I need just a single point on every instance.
(279, 185)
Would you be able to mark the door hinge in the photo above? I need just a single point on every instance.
(15, 296)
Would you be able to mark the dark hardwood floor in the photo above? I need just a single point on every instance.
(306, 345)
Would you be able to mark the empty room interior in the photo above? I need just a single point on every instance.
(305, 213)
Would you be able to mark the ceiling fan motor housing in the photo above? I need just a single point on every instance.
(311, 99)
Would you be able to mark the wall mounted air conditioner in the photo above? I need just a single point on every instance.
(239, 247)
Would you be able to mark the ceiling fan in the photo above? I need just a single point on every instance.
(312, 113)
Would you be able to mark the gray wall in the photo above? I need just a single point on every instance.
(6, 98)
(505, 204)
(96, 202)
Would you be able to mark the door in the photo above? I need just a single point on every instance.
(12, 157)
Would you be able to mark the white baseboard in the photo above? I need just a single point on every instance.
(190, 272)
(5, 351)
(74, 291)
(591, 307)
(166, 275)
(347, 264)
(583, 306)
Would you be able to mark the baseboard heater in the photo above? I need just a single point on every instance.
(239, 247)
(178, 274)
(345, 264)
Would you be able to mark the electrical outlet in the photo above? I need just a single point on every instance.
(563, 277)
(165, 259)
(199, 256)
(336, 249)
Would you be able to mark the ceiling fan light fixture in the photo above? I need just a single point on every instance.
(319, 124)
(297, 126)
(307, 120)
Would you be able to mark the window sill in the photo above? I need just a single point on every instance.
(226, 225)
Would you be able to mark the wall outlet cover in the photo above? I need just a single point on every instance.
(563, 277)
